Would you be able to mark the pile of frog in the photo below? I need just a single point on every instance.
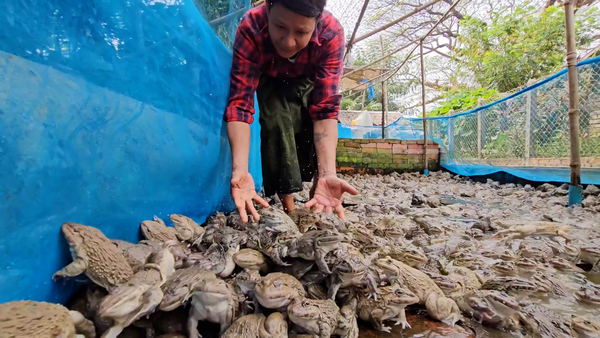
(506, 257)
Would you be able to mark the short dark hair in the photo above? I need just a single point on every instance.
(308, 8)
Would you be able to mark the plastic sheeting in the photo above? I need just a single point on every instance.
(110, 112)
(503, 127)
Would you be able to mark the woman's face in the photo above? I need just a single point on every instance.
(290, 32)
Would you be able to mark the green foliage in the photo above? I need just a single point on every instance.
(347, 104)
(516, 47)
(462, 100)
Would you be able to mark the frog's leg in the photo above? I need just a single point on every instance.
(76, 268)
(192, 324)
(377, 321)
(401, 319)
(82, 325)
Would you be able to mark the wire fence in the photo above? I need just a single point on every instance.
(527, 129)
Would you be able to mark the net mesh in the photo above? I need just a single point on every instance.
(527, 130)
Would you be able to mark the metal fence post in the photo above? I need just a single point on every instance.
(527, 127)
(450, 132)
(480, 103)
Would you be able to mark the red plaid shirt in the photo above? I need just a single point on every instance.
(253, 53)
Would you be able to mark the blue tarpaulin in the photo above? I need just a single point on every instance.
(110, 112)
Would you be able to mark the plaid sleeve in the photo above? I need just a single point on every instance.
(325, 99)
(244, 75)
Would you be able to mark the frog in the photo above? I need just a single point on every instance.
(187, 229)
(466, 280)
(469, 260)
(535, 249)
(504, 268)
(514, 230)
(244, 282)
(588, 294)
(136, 254)
(590, 255)
(509, 256)
(251, 259)
(542, 322)
(351, 268)
(493, 308)
(258, 326)
(548, 285)
(298, 268)
(584, 327)
(306, 219)
(95, 256)
(27, 318)
(181, 284)
(316, 317)
(347, 325)
(139, 296)
(158, 230)
(526, 267)
(276, 290)
(562, 264)
(410, 255)
(217, 258)
(277, 220)
(512, 285)
(215, 301)
(391, 305)
(314, 245)
(437, 304)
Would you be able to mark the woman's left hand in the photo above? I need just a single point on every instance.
(328, 195)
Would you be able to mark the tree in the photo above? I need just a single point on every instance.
(512, 49)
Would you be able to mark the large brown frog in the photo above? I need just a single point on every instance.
(438, 305)
(258, 326)
(95, 256)
(215, 301)
(276, 290)
(323, 318)
(140, 296)
(492, 308)
(390, 306)
(40, 319)
(314, 245)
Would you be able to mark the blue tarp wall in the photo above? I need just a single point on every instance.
(110, 112)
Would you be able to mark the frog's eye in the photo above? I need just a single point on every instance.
(305, 303)
(277, 284)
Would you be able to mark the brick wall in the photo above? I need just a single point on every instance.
(384, 156)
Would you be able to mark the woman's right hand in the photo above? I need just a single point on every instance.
(243, 193)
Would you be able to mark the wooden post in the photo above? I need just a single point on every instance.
(480, 103)
(528, 128)
(362, 105)
(425, 162)
(384, 101)
(575, 189)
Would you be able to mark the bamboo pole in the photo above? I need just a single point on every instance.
(575, 189)
(360, 17)
(425, 162)
(384, 101)
(384, 27)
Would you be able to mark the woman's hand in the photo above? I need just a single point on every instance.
(328, 195)
(243, 193)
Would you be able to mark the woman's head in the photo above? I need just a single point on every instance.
(292, 23)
